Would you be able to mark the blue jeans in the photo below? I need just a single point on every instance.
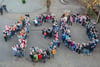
(14, 53)
(73, 48)
(66, 44)
(86, 51)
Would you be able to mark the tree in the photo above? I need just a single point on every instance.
(91, 3)
(48, 5)
(91, 6)
(23, 1)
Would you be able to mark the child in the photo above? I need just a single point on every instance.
(53, 52)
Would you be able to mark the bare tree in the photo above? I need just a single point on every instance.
(48, 5)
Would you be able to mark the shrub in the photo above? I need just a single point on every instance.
(23, 1)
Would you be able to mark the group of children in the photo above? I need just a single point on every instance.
(18, 49)
(93, 37)
(86, 48)
(47, 32)
(12, 30)
(37, 54)
(39, 20)
(70, 18)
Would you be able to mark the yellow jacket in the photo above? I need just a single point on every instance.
(53, 51)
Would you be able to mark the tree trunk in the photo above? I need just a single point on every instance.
(48, 6)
